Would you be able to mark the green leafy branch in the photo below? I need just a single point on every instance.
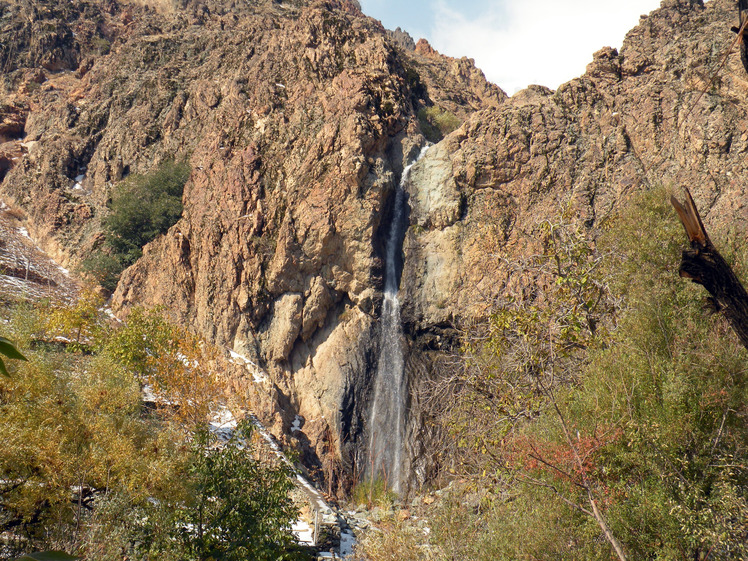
(9, 350)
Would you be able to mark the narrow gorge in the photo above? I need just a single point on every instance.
(389, 406)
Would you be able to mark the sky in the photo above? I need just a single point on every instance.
(516, 42)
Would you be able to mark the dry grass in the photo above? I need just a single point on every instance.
(161, 6)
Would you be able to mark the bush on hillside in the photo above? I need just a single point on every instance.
(87, 468)
(142, 208)
(648, 417)
(436, 123)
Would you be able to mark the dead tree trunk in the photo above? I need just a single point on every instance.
(703, 264)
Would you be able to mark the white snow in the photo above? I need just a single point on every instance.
(224, 418)
(27, 287)
(110, 313)
(347, 541)
(186, 361)
(296, 425)
(151, 396)
(304, 532)
(258, 376)
(223, 423)
(237, 356)
(24, 232)
(78, 186)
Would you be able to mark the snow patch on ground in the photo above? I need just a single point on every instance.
(78, 185)
(150, 396)
(110, 314)
(347, 541)
(24, 232)
(223, 417)
(223, 423)
(13, 284)
(257, 374)
(304, 532)
(186, 361)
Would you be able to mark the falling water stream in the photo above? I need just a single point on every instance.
(387, 421)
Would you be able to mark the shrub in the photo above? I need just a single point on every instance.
(142, 208)
(239, 508)
(373, 492)
(436, 123)
(100, 45)
(647, 419)
(84, 467)
(175, 362)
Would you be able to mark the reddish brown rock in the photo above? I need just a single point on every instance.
(424, 48)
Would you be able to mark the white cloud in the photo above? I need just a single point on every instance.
(544, 42)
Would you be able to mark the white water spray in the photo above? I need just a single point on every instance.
(387, 421)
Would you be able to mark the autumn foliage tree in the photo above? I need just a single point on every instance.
(86, 466)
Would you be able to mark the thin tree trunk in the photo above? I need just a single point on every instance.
(703, 264)
(597, 515)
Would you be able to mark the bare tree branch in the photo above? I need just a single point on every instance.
(703, 264)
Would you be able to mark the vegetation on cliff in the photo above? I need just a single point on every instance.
(142, 208)
(87, 467)
(608, 383)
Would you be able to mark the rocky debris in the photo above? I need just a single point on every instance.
(26, 272)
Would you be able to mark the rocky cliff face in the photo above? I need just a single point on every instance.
(661, 112)
(643, 117)
(297, 119)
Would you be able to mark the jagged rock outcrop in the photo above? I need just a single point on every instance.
(634, 120)
(297, 119)
(645, 117)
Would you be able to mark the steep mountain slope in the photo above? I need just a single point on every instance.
(296, 118)
(647, 116)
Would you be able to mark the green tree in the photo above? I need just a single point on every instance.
(239, 507)
(642, 409)
(86, 468)
(142, 208)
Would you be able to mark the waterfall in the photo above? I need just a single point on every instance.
(387, 421)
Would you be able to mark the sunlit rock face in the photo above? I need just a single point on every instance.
(297, 119)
